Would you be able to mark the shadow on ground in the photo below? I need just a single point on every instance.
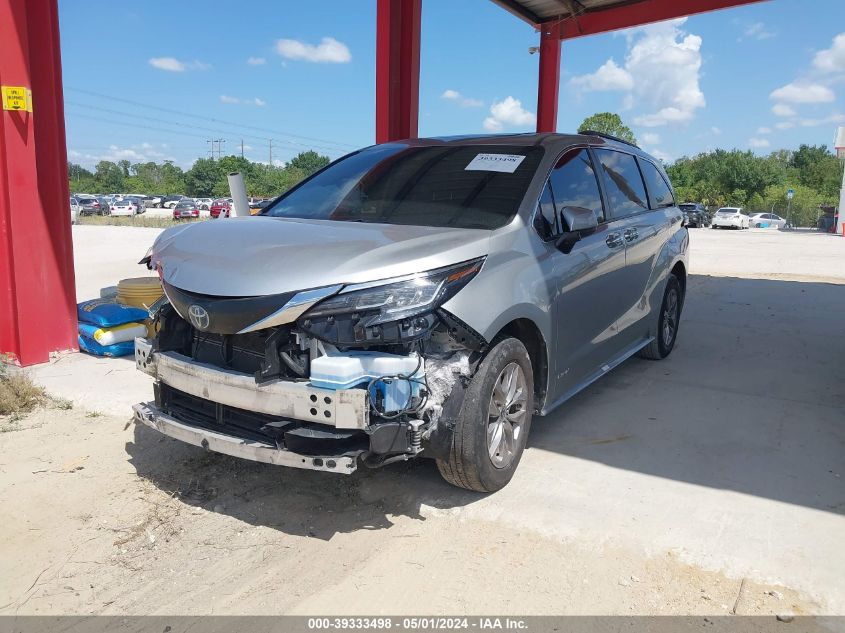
(750, 401)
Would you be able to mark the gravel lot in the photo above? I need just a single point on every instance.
(658, 490)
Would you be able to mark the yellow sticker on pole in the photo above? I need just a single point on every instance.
(16, 98)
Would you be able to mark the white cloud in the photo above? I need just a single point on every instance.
(785, 125)
(650, 138)
(764, 130)
(508, 113)
(832, 119)
(609, 76)
(758, 143)
(660, 155)
(832, 60)
(140, 153)
(781, 109)
(758, 31)
(664, 117)
(259, 102)
(457, 97)
(800, 92)
(228, 99)
(716, 131)
(256, 61)
(661, 74)
(171, 64)
(328, 51)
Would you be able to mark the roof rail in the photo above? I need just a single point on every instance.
(609, 136)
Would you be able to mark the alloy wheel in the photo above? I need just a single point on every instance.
(506, 415)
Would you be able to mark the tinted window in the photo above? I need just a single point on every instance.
(546, 221)
(574, 183)
(659, 193)
(622, 182)
(444, 185)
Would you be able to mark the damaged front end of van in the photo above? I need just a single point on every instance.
(326, 376)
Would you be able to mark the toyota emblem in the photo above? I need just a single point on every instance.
(198, 317)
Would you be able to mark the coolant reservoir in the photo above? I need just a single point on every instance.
(358, 369)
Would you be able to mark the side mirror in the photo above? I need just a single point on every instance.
(579, 220)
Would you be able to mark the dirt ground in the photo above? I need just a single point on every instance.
(119, 520)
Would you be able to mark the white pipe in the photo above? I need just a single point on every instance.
(238, 190)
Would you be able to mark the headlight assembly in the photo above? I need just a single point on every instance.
(389, 310)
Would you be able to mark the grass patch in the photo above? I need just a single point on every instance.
(93, 414)
(63, 403)
(136, 220)
(18, 394)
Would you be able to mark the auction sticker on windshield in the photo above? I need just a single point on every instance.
(506, 163)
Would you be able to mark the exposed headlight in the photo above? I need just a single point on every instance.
(386, 302)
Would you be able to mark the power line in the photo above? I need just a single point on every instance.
(151, 128)
(188, 125)
(197, 116)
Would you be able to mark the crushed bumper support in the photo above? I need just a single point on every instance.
(148, 414)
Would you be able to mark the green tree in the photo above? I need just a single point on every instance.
(202, 176)
(608, 123)
(109, 177)
(309, 162)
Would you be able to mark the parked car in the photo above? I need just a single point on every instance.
(171, 201)
(185, 209)
(766, 220)
(419, 298)
(256, 205)
(730, 218)
(221, 207)
(90, 205)
(140, 203)
(203, 204)
(125, 206)
(75, 210)
(695, 214)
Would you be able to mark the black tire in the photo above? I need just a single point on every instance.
(470, 464)
(660, 347)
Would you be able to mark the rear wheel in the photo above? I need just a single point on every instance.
(667, 322)
(495, 419)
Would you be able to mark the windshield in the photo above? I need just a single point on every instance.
(464, 186)
(727, 211)
(687, 207)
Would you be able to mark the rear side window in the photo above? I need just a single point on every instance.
(574, 184)
(659, 193)
(623, 183)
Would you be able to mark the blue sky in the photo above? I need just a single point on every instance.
(155, 80)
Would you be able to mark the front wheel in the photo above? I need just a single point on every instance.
(667, 322)
(491, 432)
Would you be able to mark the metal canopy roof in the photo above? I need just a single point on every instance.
(587, 17)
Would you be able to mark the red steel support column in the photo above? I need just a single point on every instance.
(37, 295)
(397, 69)
(548, 82)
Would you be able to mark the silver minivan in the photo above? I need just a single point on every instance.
(421, 298)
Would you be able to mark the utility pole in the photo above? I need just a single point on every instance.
(242, 148)
(211, 151)
(220, 142)
(271, 152)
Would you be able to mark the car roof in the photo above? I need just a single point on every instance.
(550, 140)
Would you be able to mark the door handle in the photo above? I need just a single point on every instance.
(613, 240)
(631, 235)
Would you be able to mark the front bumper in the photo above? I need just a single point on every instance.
(150, 415)
(342, 408)
(279, 422)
